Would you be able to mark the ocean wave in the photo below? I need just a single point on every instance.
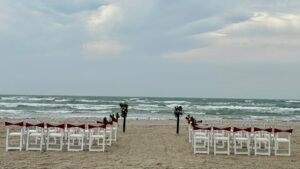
(279, 109)
(248, 101)
(176, 102)
(62, 100)
(41, 98)
(192, 113)
(20, 104)
(293, 101)
(174, 105)
(92, 107)
(88, 101)
(14, 98)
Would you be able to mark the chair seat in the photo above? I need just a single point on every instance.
(219, 134)
(15, 134)
(199, 134)
(200, 137)
(241, 138)
(33, 131)
(36, 134)
(55, 134)
(97, 136)
(262, 139)
(281, 139)
(77, 135)
(221, 138)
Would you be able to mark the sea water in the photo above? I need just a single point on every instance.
(152, 108)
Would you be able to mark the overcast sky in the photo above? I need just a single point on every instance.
(178, 48)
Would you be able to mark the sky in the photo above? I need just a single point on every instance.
(156, 48)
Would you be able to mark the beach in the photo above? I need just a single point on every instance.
(146, 144)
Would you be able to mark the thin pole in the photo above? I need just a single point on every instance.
(177, 131)
(124, 124)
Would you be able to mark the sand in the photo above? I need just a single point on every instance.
(146, 144)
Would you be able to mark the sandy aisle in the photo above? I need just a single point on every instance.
(146, 144)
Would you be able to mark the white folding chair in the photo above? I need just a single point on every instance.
(201, 136)
(97, 137)
(34, 132)
(262, 141)
(115, 129)
(55, 133)
(109, 132)
(14, 130)
(241, 138)
(75, 137)
(224, 138)
(280, 139)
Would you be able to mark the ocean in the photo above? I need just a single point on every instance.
(152, 108)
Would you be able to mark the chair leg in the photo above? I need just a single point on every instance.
(82, 143)
(6, 148)
(47, 142)
(215, 146)
(27, 141)
(61, 143)
(41, 143)
(68, 146)
(228, 146)
(269, 147)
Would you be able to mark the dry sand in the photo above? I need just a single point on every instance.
(146, 144)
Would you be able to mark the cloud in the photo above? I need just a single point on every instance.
(103, 49)
(263, 37)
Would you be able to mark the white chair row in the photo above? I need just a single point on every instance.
(54, 137)
(241, 140)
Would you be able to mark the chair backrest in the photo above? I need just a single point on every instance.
(62, 126)
(236, 129)
(256, 129)
(276, 130)
(55, 127)
(199, 128)
(21, 124)
(78, 128)
(96, 129)
(283, 132)
(82, 126)
(110, 122)
(90, 126)
(18, 126)
(40, 125)
(221, 129)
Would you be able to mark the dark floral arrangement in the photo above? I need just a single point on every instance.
(124, 109)
(105, 120)
(112, 116)
(178, 111)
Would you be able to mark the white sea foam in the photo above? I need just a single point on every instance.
(192, 112)
(176, 102)
(92, 107)
(293, 101)
(148, 105)
(132, 99)
(30, 104)
(62, 100)
(174, 105)
(14, 98)
(272, 109)
(41, 98)
(141, 101)
(248, 101)
(89, 101)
